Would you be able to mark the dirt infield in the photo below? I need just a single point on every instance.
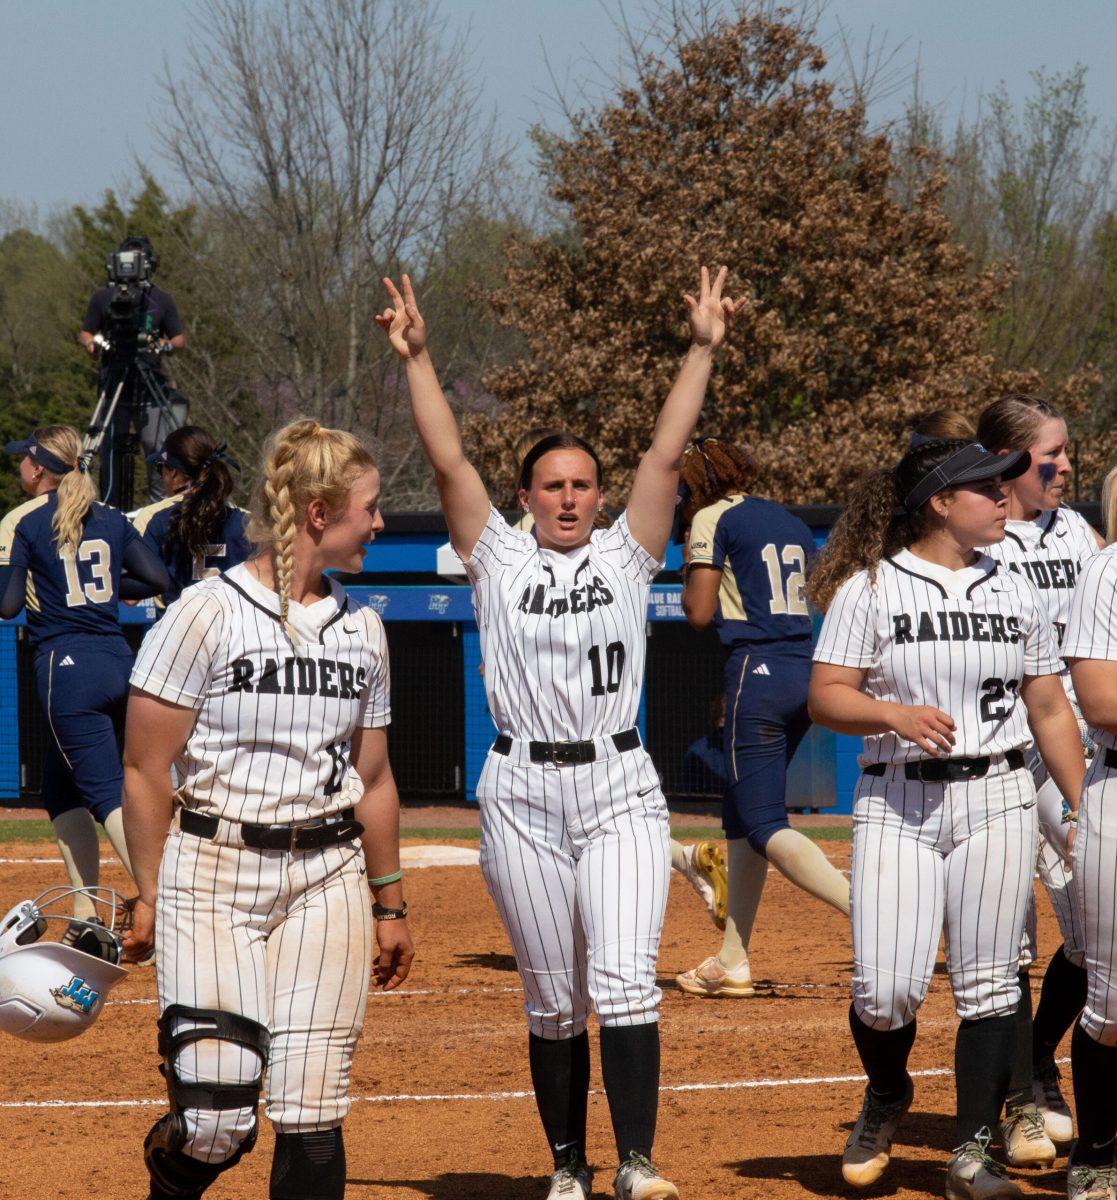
(758, 1094)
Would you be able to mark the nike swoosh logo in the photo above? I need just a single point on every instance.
(647, 790)
(348, 630)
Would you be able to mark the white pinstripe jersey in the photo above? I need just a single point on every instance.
(960, 641)
(1050, 550)
(274, 719)
(562, 635)
(1092, 625)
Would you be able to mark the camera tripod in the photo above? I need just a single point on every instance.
(132, 390)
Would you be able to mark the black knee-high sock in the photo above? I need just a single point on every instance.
(982, 1067)
(1094, 1067)
(1061, 998)
(1020, 1083)
(884, 1055)
(630, 1069)
(560, 1074)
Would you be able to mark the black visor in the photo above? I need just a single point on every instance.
(39, 455)
(164, 458)
(972, 464)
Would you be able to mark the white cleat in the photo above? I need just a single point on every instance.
(972, 1174)
(571, 1182)
(1091, 1183)
(637, 1179)
(868, 1148)
(1025, 1139)
(1050, 1104)
(710, 978)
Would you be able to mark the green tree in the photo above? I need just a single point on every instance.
(42, 376)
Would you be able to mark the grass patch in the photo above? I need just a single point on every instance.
(41, 831)
(32, 831)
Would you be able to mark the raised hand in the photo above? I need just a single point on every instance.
(402, 322)
(711, 312)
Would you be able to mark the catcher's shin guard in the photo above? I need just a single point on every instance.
(308, 1166)
(174, 1174)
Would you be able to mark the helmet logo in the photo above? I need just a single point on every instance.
(76, 995)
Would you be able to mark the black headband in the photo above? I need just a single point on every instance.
(971, 463)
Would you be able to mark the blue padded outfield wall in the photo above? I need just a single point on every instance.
(405, 558)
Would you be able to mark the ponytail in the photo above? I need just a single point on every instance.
(712, 469)
(303, 462)
(74, 489)
(199, 518)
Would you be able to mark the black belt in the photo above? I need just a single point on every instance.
(1111, 759)
(568, 753)
(307, 835)
(948, 770)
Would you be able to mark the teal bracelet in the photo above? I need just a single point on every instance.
(384, 879)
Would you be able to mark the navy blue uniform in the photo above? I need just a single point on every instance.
(765, 627)
(82, 660)
(229, 547)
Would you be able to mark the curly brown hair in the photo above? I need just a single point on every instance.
(710, 470)
(873, 525)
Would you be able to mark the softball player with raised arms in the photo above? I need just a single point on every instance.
(574, 829)
(1049, 544)
(1090, 646)
(268, 691)
(948, 667)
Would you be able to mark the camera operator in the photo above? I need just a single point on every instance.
(135, 324)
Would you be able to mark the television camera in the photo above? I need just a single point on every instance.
(131, 387)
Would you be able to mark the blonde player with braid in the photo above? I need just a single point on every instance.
(267, 689)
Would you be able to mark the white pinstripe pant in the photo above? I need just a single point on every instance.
(1054, 873)
(283, 939)
(1095, 879)
(931, 857)
(578, 864)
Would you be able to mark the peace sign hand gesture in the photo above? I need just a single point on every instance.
(711, 313)
(402, 322)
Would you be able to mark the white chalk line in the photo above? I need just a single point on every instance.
(398, 994)
(392, 995)
(735, 1085)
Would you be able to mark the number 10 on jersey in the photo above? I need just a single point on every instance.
(609, 679)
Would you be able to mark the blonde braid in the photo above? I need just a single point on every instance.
(304, 462)
(281, 511)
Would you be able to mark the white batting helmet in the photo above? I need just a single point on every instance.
(52, 991)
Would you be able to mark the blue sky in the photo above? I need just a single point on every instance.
(78, 92)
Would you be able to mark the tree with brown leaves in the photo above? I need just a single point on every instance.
(865, 310)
